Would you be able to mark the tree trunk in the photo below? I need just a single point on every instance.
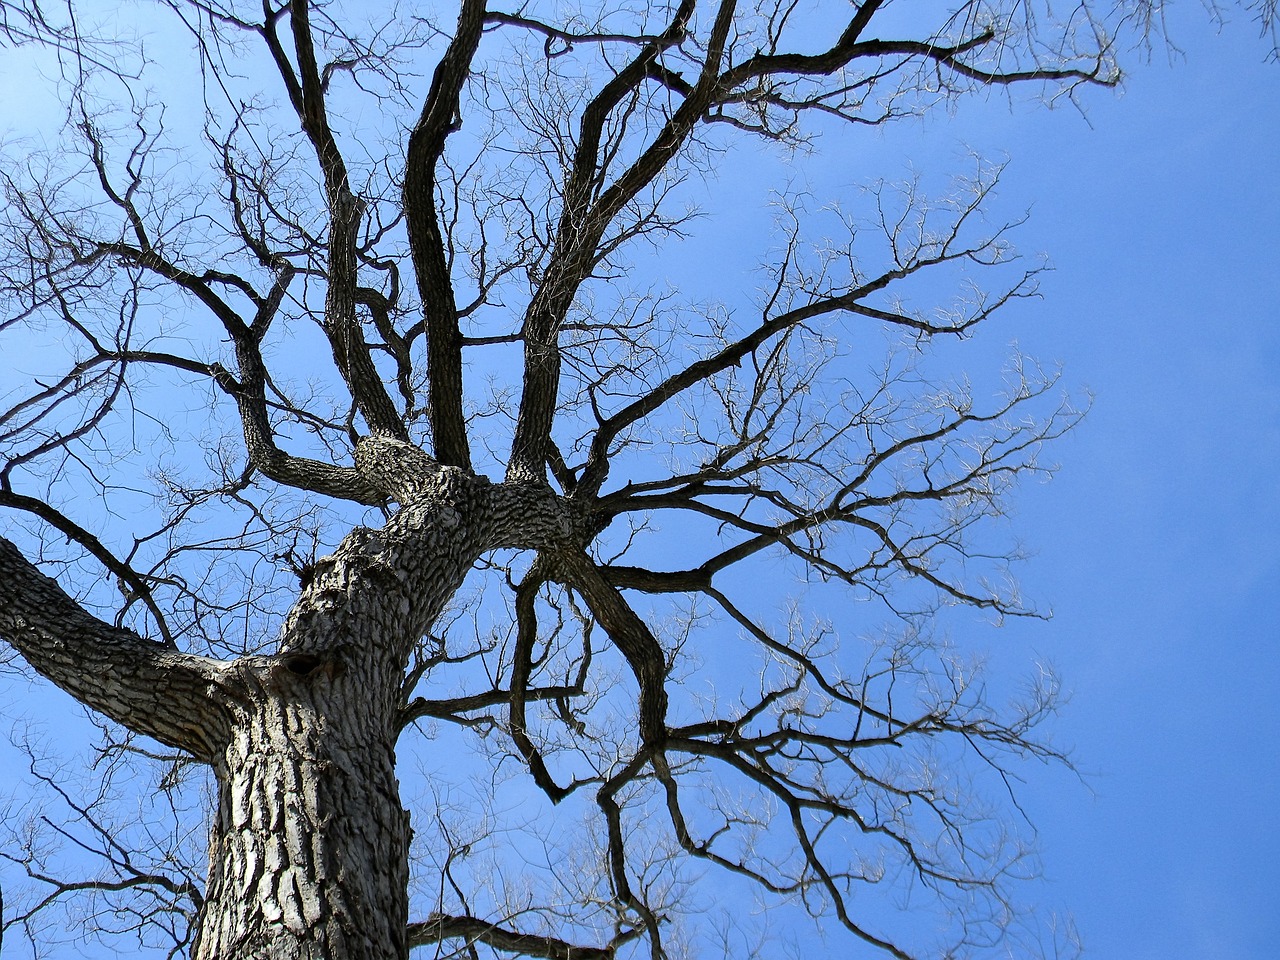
(310, 844)
(309, 849)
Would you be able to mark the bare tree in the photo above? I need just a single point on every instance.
(354, 422)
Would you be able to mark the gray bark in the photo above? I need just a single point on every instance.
(309, 850)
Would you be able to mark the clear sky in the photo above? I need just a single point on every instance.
(1157, 541)
(1156, 546)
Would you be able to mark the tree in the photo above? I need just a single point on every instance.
(365, 428)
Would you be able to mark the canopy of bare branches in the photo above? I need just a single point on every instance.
(349, 395)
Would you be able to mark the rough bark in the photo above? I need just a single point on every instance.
(309, 822)
(145, 686)
(309, 850)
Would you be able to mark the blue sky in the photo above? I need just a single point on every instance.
(1155, 546)
(1156, 543)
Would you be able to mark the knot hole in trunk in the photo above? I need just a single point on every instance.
(306, 666)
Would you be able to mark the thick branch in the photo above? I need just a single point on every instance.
(581, 227)
(302, 473)
(426, 243)
(442, 927)
(350, 351)
(143, 686)
(631, 636)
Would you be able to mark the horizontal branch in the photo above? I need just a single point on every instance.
(444, 927)
(450, 707)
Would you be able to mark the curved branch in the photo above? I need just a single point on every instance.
(629, 634)
(522, 664)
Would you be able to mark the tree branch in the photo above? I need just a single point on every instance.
(146, 687)
(426, 243)
(440, 927)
